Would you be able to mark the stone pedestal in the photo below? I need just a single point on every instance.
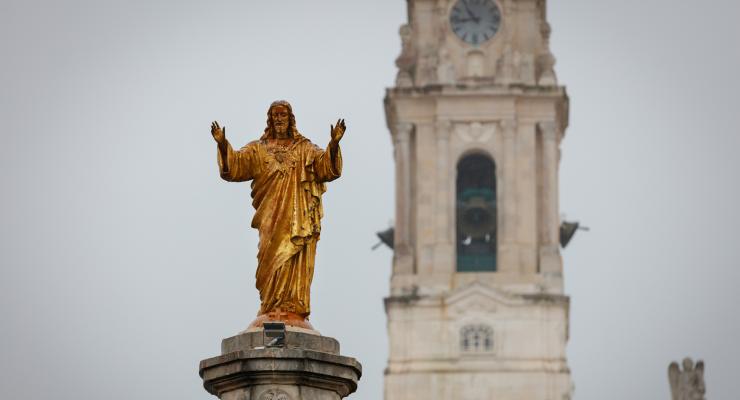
(306, 367)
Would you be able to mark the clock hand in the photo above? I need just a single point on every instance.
(467, 9)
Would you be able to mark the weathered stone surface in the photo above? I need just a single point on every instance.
(293, 340)
(455, 333)
(687, 383)
(307, 367)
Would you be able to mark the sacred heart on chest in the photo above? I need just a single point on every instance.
(280, 159)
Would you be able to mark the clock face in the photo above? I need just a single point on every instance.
(475, 21)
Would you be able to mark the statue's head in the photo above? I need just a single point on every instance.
(688, 364)
(280, 120)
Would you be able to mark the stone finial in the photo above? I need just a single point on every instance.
(687, 384)
(407, 60)
(546, 66)
(546, 61)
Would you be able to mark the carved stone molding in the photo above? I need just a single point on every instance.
(478, 304)
(549, 130)
(334, 375)
(403, 132)
(274, 394)
(475, 132)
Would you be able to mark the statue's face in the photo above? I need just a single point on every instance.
(280, 121)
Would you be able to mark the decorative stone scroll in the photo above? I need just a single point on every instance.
(475, 132)
(274, 394)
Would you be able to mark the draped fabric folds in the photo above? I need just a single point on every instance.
(287, 184)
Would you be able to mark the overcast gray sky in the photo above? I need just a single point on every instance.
(124, 259)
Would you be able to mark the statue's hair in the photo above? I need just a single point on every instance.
(292, 127)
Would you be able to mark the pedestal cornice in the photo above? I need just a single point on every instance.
(280, 366)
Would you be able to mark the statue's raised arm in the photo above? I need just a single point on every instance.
(337, 132)
(219, 134)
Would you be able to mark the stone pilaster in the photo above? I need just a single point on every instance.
(526, 200)
(508, 250)
(444, 229)
(403, 257)
(550, 260)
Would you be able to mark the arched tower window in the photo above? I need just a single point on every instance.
(476, 339)
(476, 214)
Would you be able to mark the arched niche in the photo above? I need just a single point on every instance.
(475, 203)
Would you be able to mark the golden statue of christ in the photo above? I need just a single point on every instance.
(288, 175)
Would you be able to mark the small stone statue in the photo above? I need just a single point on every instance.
(426, 67)
(507, 66)
(445, 69)
(406, 62)
(546, 61)
(689, 383)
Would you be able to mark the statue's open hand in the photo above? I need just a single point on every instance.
(337, 131)
(219, 133)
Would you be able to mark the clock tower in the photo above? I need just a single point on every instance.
(476, 307)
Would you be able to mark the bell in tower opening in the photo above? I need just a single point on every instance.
(476, 214)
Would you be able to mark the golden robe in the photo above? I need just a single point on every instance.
(287, 184)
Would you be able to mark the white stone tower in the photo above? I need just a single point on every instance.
(476, 308)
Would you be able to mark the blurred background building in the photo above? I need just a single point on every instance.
(477, 308)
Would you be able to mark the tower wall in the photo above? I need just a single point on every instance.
(500, 98)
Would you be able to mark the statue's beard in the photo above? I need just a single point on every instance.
(280, 131)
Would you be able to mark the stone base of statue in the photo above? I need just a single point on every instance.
(286, 317)
(302, 366)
